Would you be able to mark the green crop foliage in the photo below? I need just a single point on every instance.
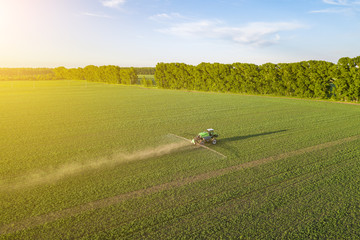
(90, 160)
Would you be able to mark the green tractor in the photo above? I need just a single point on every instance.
(207, 136)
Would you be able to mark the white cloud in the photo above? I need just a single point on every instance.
(342, 2)
(342, 6)
(203, 28)
(162, 15)
(256, 33)
(96, 15)
(331, 10)
(112, 3)
(165, 17)
(336, 2)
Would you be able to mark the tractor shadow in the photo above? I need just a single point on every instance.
(224, 142)
(239, 138)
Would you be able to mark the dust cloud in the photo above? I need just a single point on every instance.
(51, 175)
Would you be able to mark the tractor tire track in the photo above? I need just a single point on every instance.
(102, 203)
(241, 200)
(309, 178)
(206, 196)
(203, 196)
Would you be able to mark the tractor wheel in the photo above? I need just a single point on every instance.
(214, 141)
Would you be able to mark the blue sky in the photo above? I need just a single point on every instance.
(76, 33)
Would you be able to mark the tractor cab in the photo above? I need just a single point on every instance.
(207, 136)
(210, 131)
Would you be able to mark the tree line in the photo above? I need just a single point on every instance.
(107, 74)
(308, 79)
(31, 74)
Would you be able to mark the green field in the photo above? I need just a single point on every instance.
(99, 161)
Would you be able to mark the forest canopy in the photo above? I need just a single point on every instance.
(107, 74)
(308, 79)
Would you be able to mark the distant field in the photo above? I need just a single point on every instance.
(148, 77)
(91, 160)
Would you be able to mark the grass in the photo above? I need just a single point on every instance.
(77, 161)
